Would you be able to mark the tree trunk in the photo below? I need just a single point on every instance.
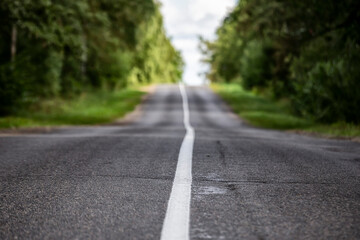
(84, 54)
(13, 42)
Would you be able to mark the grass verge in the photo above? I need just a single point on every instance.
(263, 112)
(89, 108)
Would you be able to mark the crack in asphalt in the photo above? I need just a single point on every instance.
(261, 182)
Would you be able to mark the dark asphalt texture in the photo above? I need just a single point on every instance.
(113, 182)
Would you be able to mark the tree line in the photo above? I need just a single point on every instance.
(57, 48)
(305, 51)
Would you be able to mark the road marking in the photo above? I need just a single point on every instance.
(177, 220)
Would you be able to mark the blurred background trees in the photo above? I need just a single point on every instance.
(52, 48)
(305, 51)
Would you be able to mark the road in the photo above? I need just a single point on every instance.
(114, 182)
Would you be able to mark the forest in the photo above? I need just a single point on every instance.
(305, 52)
(61, 49)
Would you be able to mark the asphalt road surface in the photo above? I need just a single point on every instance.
(114, 182)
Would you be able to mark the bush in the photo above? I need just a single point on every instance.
(255, 68)
(328, 90)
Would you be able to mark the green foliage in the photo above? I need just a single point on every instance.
(154, 53)
(255, 65)
(307, 51)
(327, 87)
(54, 48)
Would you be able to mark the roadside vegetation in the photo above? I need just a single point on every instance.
(60, 60)
(296, 64)
(87, 108)
(260, 110)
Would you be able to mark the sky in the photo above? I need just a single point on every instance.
(184, 21)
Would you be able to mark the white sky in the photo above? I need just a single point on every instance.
(185, 20)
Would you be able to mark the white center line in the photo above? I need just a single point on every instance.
(177, 220)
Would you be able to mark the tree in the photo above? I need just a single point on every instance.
(53, 48)
(306, 51)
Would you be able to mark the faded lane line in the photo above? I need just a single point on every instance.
(177, 220)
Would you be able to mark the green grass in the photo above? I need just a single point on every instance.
(262, 112)
(346, 130)
(89, 108)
